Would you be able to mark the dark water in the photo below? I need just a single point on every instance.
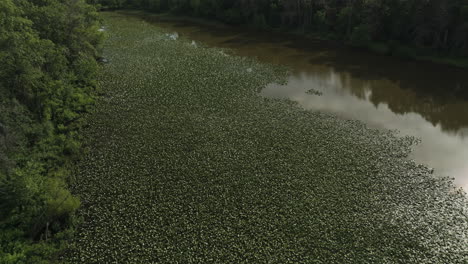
(425, 100)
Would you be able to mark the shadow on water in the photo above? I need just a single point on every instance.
(421, 99)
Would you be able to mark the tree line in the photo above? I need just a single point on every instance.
(388, 26)
(48, 78)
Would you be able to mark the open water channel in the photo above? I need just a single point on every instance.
(420, 99)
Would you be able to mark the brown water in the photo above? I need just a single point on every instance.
(425, 100)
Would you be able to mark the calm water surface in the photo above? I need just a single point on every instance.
(420, 99)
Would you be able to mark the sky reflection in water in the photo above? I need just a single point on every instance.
(420, 99)
(446, 151)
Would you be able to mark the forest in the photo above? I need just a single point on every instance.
(414, 28)
(48, 51)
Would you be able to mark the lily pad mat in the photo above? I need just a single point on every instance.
(188, 164)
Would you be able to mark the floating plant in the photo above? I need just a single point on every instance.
(314, 92)
(188, 164)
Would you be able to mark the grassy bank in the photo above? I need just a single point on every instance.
(188, 164)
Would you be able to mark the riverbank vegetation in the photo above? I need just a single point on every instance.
(419, 29)
(189, 164)
(48, 51)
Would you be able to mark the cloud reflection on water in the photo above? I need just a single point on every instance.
(444, 150)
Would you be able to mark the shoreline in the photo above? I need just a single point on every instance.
(375, 48)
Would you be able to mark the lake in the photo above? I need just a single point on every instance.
(420, 99)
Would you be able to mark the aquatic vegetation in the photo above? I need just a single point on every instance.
(314, 92)
(188, 164)
(172, 36)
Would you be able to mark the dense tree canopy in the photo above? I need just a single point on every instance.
(47, 78)
(439, 26)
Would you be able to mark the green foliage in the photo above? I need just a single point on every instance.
(259, 21)
(233, 16)
(361, 34)
(48, 51)
(59, 202)
(320, 21)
